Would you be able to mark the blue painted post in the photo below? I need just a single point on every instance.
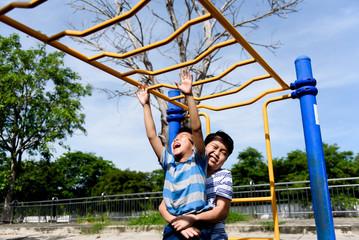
(174, 118)
(306, 91)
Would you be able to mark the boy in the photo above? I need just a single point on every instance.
(219, 146)
(185, 169)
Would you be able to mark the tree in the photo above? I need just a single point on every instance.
(39, 104)
(36, 181)
(293, 167)
(165, 19)
(77, 173)
(339, 164)
(157, 179)
(122, 181)
(250, 166)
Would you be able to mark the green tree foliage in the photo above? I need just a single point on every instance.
(250, 166)
(39, 104)
(36, 181)
(293, 167)
(77, 173)
(339, 164)
(72, 175)
(157, 179)
(123, 181)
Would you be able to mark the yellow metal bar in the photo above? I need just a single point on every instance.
(208, 123)
(102, 25)
(234, 90)
(270, 162)
(14, 5)
(41, 37)
(236, 35)
(181, 65)
(242, 63)
(154, 45)
(242, 103)
(254, 199)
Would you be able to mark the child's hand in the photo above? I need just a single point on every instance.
(142, 94)
(186, 82)
(183, 222)
(191, 232)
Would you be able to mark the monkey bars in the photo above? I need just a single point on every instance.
(213, 13)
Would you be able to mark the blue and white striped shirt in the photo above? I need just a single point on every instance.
(219, 184)
(184, 189)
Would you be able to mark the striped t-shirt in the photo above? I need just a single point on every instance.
(184, 189)
(219, 184)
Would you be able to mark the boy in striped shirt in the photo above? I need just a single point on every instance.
(186, 168)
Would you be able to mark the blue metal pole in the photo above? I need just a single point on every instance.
(174, 118)
(306, 91)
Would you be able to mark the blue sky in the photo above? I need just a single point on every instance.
(324, 30)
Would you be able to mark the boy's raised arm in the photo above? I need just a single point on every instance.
(144, 98)
(186, 88)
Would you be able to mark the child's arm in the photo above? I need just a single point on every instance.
(144, 98)
(186, 88)
(216, 214)
(188, 232)
(166, 215)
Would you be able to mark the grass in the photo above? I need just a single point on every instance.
(95, 228)
(234, 217)
(147, 219)
(155, 218)
(269, 225)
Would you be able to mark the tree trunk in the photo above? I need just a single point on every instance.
(8, 208)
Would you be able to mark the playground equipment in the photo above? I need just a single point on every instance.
(304, 90)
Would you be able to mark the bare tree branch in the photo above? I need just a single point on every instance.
(137, 31)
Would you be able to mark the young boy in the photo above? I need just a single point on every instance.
(185, 169)
(219, 146)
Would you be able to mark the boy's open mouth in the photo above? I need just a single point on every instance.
(176, 145)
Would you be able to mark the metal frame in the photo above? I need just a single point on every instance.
(213, 13)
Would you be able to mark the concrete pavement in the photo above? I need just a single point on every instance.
(290, 229)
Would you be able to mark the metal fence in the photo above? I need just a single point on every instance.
(294, 200)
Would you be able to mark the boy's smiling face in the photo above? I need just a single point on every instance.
(182, 146)
(217, 154)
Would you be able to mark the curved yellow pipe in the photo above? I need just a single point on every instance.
(208, 124)
(234, 66)
(102, 25)
(242, 103)
(270, 162)
(14, 5)
(228, 92)
(181, 65)
(154, 45)
(241, 40)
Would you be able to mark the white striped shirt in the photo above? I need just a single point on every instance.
(219, 184)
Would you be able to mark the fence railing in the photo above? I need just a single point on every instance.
(294, 200)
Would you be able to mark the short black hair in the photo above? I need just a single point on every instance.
(226, 139)
(184, 129)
